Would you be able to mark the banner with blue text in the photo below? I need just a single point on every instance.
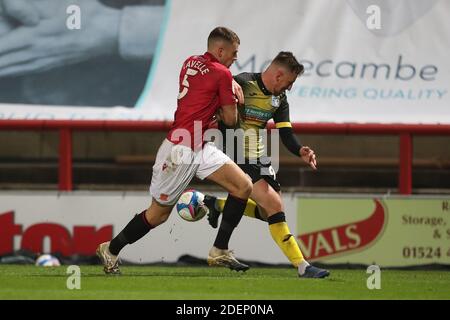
(366, 61)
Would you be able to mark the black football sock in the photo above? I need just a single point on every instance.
(133, 231)
(232, 214)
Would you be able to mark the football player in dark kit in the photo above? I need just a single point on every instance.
(265, 99)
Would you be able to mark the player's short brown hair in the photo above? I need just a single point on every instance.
(287, 59)
(223, 33)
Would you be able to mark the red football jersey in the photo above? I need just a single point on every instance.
(205, 86)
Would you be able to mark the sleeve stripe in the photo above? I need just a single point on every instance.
(279, 125)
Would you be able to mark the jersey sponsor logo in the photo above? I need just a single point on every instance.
(257, 114)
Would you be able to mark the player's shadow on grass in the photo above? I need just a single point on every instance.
(231, 274)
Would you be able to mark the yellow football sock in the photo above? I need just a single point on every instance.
(249, 209)
(220, 203)
(287, 243)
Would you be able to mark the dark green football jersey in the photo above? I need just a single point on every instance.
(259, 107)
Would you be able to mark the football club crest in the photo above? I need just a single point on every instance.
(275, 101)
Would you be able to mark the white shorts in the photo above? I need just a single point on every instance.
(176, 165)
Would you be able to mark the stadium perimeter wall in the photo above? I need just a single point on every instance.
(391, 231)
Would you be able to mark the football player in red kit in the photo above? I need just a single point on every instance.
(205, 87)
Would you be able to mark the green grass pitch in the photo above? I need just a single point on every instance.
(192, 283)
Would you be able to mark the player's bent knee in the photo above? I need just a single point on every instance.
(275, 207)
(270, 204)
(244, 189)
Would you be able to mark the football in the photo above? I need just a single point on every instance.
(190, 206)
(47, 260)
